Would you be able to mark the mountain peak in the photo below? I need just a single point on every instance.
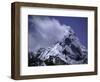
(68, 51)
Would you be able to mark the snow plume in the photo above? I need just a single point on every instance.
(43, 32)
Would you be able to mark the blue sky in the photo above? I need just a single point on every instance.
(43, 31)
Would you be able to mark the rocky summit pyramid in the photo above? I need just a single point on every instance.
(68, 51)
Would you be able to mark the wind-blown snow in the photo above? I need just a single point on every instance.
(45, 32)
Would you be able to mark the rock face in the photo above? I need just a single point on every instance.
(68, 51)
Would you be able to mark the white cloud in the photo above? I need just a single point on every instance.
(45, 31)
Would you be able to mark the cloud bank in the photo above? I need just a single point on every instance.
(44, 32)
